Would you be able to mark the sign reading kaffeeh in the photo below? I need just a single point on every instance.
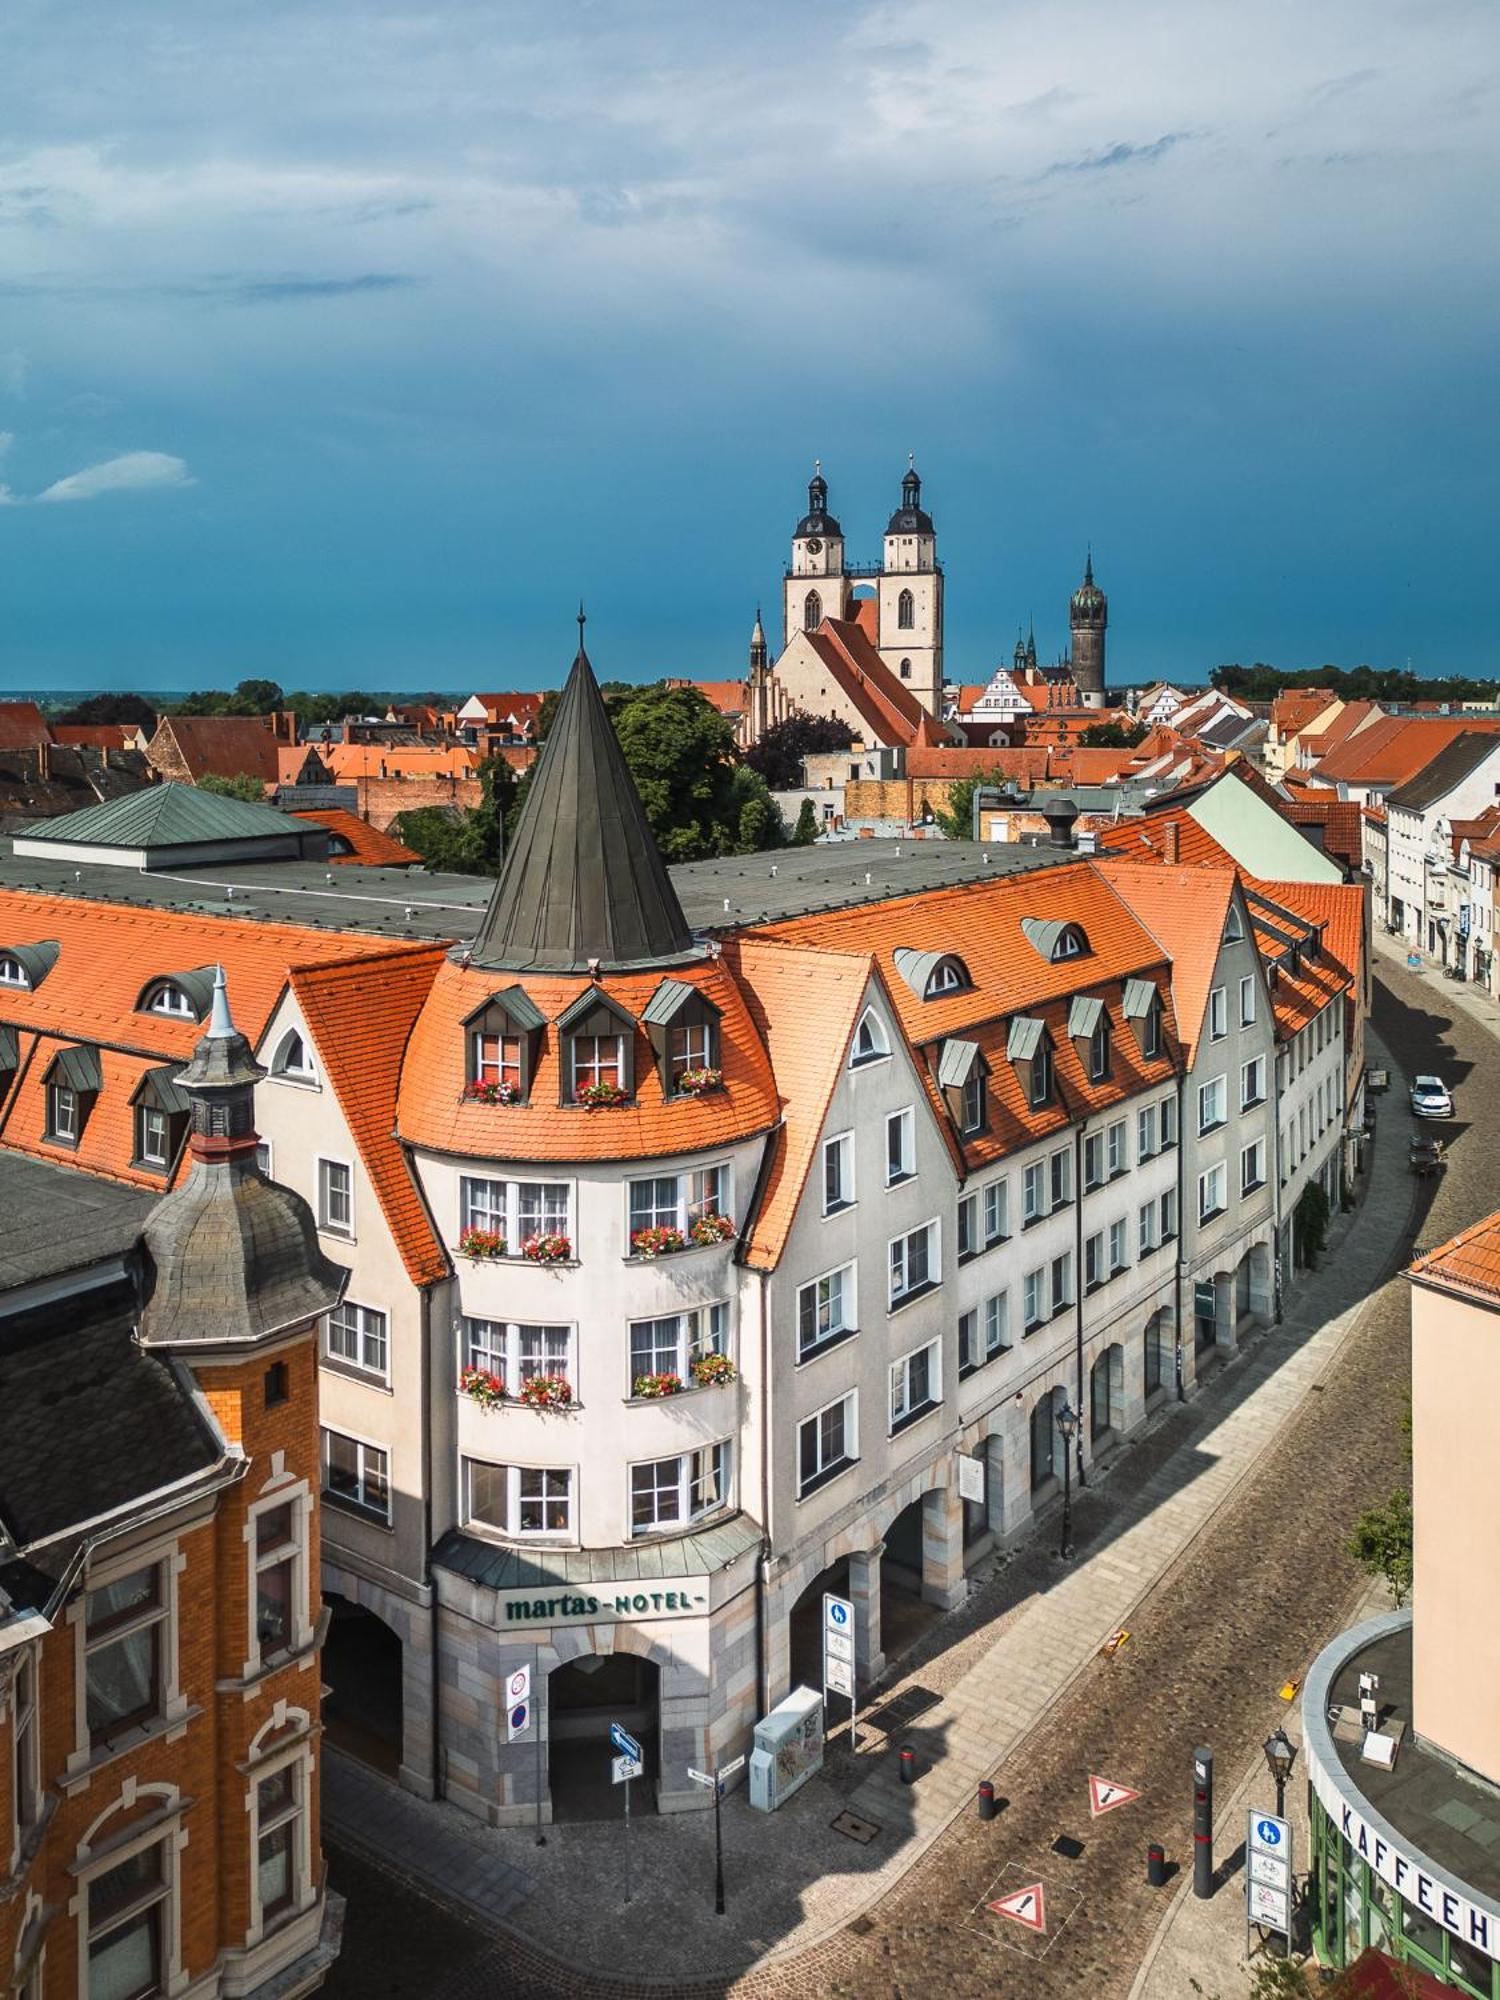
(601, 1603)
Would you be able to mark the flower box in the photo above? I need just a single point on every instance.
(658, 1385)
(481, 1243)
(491, 1092)
(547, 1249)
(659, 1241)
(712, 1228)
(711, 1369)
(695, 1082)
(486, 1389)
(600, 1096)
(546, 1392)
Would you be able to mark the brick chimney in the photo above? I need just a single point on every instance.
(1169, 843)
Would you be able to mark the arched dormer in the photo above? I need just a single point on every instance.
(293, 1061)
(597, 1050)
(501, 1039)
(931, 974)
(1056, 940)
(27, 965)
(871, 1041)
(180, 996)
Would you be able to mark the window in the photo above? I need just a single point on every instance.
(825, 1310)
(356, 1474)
(812, 611)
(335, 1198)
(1211, 1105)
(125, 1626)
(1211, 1199)
(1151, 1032)
(1099, 1050)
(1060, 1172)
(357, 1334)
(983, 1333)
(519, 1499)
(153, 1137)
(838, 1172)
(167, 998)
(1145, 1227)
(1041, 1076)
(1168, 1122)
(827, 1443)
(1071, 943)
(669, 1491)
(996, 1212)
(1168, 1215)
(1093, 1160)
(972, 1102)
(293, 1060)
(278, 1843)
(1218, 1014)
(900, 1147)
(914, 1263)
(1247, 1001)
(906, 670)
(1145, 1132)
(669, 1345)
(677, 1201)
(906, 611)
(870, 1041)
(1234, 930)
(127, 1926)
(26, 1739)
(263, 1157)
(690, 1046)
(495, 1059)
(515, 1211)
(1252, 1082)
(1062, 1281)
(1119, 1255)
(949, 975)
(279, 1611)
(12, 972)
(1033, 1310)
(1253, 1167)
(1152, 1370)
(916, 1385)
(277, 1384)
(597, 1060)
(62, 1114)
(968, 1226)
(1093, 1261)
(1031, 1193)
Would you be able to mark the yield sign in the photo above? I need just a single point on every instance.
(1105, 1795)
(1023, 1906)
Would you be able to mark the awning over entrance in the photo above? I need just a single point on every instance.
(498, 1568)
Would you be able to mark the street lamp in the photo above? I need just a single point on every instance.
(1281, 1754)
(1067, 1423)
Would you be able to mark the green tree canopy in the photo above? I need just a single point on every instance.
(778, 755)
(700, 799)
(1382, 1542)
(805, 832)
(957, 821)
(1113, 735)
(240, 786)
(112, 708)
(464, 843)
(1263, 683)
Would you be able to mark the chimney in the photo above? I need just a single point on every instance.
(1170, 849)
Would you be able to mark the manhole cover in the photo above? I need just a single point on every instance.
(903, 1709)
(861, 1927)
(862, 1830)
(1067, 1847)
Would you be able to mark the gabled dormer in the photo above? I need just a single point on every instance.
(501, 1040)
(1143, 1012)
(1029, 1049)
(683, 1026)
(596, 1051)
(73, 1080)
(1089, 1032)
(963, 1079)
(161, 1110)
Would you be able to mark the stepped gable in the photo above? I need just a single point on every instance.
(583, 885)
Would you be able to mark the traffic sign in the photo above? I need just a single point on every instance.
(838, 1645)
(838, 1614)
(1268, 1873)
(1268, 1868)
(1269, 1834)
(625, 1768)
(701, 1777)
(625, 1743)
(1269, 1908)
(518, 1685)
(839, 1675)
(517, 1720)
(728, 1770)
(1027, 1907)
(1105, 1795)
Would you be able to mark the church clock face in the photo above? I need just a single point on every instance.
(814, 546)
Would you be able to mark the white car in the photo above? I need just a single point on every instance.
(1430, 1099)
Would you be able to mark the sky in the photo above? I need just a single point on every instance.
(352, 344)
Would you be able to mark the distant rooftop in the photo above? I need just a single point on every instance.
(59, 1220)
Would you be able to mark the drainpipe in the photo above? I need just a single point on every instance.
(1181, 1220)
(1078, 1133)
(427, 1575)
(763, 1566)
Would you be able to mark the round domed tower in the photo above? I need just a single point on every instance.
(1089, 618)
(816, 585)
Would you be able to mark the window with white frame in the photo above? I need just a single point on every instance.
(1117, 1152)
(515, 1211)
(125, 1640)
(1062, 1281)
(62, 1114)
(677, 1201)
(280, 1804)
(519, 1499)
(596, 1060)
(1234, 930)
(1041, 1076)
(1168, 1214)
(668, 1492)
(357, 1334)
(495, 1058)
(1247, 1001)
(1252, 1082)
(1253, 1167)
(336, 1197)
(968, 1226)
(983, 1332)
(1119, 1253)
(1211, 1193)
(1212, 1102)
(1033, 1300)
(1093, 1261)
(1060, 1174)
(671, 1343)
(1093, 1160)
(129, 1910)
(1151, 1032)
(1168, 1122)
(825, 1310)
(168, 998)
(12, 972)
(690, 1045)
(357, 1475)
(25, 1744)
(827, 1443)
(916, 1384)
(914, 1263)
(900, 1147)
(1099, 1050)
(263, 1156)
(870, 1039)
(1033, 1188)
(972, 1103)
(1218, 1014)
(280, 1572)
(996, 1212)
(517, 1350)
(1145, 1132)
(838, 1172)
(293, 1061)
(1145, 1227)
(153, 1137)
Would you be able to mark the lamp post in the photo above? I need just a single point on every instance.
(1067, 1423)
(1281, 1754)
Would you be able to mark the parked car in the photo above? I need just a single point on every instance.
(1430, 1099)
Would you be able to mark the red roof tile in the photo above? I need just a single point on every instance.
(22, 726)
(372, 849)
(1468, 1263)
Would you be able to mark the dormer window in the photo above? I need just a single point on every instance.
(73, 1080)
(161, 1110)
(501, 1041)
(870, 1040)
(1099, 1050)
(12, 972)
(598, 1043)
(27, 965)
(1030, 1051)
(293, 1061)
(684, 1027)
(931, 974)
(1054, 939)
(948, 976)
(1088, 1029)
(180, 996)
(1071, 943)
(169, 999)
(961, 1078)
(1142, 1009)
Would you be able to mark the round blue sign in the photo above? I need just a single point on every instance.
(518, 1716)
(838, 1614)
(1268, 1833)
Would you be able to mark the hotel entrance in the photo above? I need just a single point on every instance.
(583, 1699)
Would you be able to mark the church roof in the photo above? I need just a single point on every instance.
(583, 882)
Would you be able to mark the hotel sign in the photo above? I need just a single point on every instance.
(1407, 1875)
(601, 1603)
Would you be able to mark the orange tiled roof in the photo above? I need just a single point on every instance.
(1468, 1263)
(434, 1112)
(223, 746)
(1299, 997)
(1339, 819)
(1294, 708)
(1185, 910)
(95, 735)
(374, 850)
(22, 726)
(1136, 839)
(887, 707)
(360, 1013)
(1396, 748)
(388, 760)
(867, 617)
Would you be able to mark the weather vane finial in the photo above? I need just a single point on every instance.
(911, 461)
(582, 620)
(817, 468)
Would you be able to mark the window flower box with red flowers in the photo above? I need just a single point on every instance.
(655, 1386)
(697, 1082)
(487, 1389)
(481, 1243)
(600, 1096)
(549, 1248)
(711, 1369)
(489, 1090)
(658, 1241)
(711, 1228)
(546, 1392)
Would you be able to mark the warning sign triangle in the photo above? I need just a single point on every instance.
(1023, 1906)
(1105, 1795)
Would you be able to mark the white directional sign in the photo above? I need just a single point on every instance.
(700, 1777)
(624, 1742)
(1268, 1875)
(728, 1770)
(622, 1768)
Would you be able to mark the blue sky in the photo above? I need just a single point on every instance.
(351, 343)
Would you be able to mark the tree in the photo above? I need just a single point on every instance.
(250, 697)
(1382, 1542)
(112, 708)
(806, 830)
(700, 800)
(240, 786)
(778, 755)
(464, 843)
(957, 821)
(1113, 735)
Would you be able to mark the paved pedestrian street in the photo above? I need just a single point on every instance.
(1218, 1540)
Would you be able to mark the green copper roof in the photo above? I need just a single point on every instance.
(166, 816)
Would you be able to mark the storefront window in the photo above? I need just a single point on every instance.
(1469, 1970)
(1421, 1931)
(1380, 1913)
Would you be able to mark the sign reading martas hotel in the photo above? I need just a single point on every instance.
(610, 1603)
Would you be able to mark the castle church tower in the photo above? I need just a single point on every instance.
(1089, 617)
(816, 584)
(911, 598)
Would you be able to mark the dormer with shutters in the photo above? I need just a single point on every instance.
(596, 1051)
(501, 1040)
(962, 1078)
(1029, 1048)
(1089, 1032)
(683, 1027)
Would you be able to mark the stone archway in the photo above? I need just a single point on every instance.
(361, 1663)
(585, 1695)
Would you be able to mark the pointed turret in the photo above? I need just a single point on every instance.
(759, 652)
(584, 883)
(232, 1258)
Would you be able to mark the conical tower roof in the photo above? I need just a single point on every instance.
(583, 881)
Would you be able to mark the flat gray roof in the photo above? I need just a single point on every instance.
(59, 1219)
(407, 902)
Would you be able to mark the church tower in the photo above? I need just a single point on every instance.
(1089, 618)
(911, 598)
(759, 704)
(817, 586)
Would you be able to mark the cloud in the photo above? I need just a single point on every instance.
(1121, 154)
(132, 472)
(272, 291)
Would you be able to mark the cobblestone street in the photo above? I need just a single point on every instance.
(1242, 1608)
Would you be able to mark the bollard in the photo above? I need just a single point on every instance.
(908, 1764)
(986, 1799)
(1156, 1866)
(1203, 1823)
